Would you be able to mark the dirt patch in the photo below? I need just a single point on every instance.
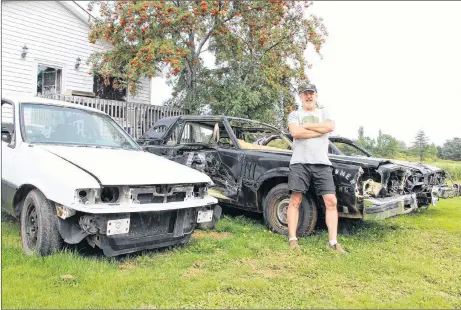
(127, 265)
(67, 277)
(213, 235)
(269, 271)
(195, 270)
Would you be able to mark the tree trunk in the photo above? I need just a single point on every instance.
(191, 87)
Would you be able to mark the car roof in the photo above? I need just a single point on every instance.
(52, 102)
(219, 117)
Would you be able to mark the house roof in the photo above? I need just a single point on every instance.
(78, 10)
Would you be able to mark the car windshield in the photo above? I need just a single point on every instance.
(343, 148)
(72, 126)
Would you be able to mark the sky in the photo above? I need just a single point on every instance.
(393, 66)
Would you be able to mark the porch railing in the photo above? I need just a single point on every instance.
(135, 118)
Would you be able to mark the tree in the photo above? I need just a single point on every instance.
(421, 143)
(361, 132)
(386, 146)
(365, 142)
(451, 149)
(254, 42)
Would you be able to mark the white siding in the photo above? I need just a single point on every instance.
(7, 114)
(55, 37)
(143, 93)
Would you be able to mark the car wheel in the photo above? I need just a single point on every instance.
(39, 232)
(275, 211)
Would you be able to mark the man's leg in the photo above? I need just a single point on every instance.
(331, 216)
(324, 183)
(293, 214)
(298, 182)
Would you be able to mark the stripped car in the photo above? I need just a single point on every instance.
(72, 173)
(428, 182)
(248, 162)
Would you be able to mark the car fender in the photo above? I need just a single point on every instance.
(270, 174)
(55, 177)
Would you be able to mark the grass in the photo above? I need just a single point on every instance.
(451, 166)
(412, 261)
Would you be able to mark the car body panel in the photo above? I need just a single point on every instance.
(142, 168)
(362, 182)
(90, 184)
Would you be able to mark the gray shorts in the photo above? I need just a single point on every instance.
(320, 176)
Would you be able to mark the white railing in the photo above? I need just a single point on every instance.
(135, 118)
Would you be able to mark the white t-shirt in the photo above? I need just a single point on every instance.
(313, 150)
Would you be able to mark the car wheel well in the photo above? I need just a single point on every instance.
(266, 186)
(20, 196)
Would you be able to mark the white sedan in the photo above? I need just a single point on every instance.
(70, 173)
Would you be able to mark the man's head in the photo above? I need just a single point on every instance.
(308, 96)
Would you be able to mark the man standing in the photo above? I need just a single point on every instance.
(310, 164)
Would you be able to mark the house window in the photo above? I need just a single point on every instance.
(49, 80)
(103, 91)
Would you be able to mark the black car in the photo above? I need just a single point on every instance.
(248, 161)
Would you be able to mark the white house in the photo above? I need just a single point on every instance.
(44, 51)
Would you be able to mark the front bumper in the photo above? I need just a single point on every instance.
(149, 230)
(105, 208)
(381, 208)
(447, 192)
(146, 230)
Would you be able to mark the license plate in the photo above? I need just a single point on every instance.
(204, 216)
(117, 227)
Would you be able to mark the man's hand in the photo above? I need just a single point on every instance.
(298, 132)
(325, 127)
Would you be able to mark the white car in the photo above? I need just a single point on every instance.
(70, 173)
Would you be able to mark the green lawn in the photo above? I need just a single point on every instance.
(450, 166)
(412, 261)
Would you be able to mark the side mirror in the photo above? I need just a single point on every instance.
(6, 137)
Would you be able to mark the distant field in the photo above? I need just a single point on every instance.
(412, 261)
(452, 167)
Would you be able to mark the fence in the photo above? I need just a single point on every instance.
(135, 118)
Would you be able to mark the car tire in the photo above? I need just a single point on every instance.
(39, 232)
(277, 200)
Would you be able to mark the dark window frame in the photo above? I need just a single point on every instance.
(108, 92)
(12, 143)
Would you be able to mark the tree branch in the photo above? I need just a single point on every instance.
(273, 45)
(207, 36)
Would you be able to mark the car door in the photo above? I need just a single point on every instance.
(8, 152)
(204, 146)
(163, 146)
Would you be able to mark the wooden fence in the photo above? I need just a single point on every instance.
(135, 118)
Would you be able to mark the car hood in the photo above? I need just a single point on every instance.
(127, 167)
(365, 162)
(375, 162)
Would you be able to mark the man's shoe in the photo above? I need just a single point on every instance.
(294, 245)
(338, 248)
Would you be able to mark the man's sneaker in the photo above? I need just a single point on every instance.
(294, 245)
(338, 248)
